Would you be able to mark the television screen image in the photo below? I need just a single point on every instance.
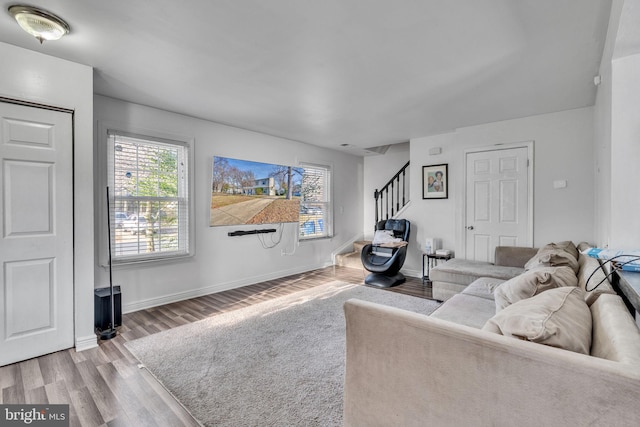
(246, 192)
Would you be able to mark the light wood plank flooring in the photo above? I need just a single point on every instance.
(105, 386)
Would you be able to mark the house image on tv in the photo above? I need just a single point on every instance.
(262, 187)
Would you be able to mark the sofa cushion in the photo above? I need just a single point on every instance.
(444, 290)
(615, 333)
(531, 283)
(464, 272)
(466, 310)
(590, 285)
(566, 245)
(484, 287)
(558, 317)
(513, 256)
(550, 257)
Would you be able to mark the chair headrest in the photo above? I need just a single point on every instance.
(396, 225)
(400, 227)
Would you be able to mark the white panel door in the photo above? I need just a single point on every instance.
(36, 222)
(497, 201)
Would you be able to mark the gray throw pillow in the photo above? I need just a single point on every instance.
(566, 245)
(548, 257)
(531, 283)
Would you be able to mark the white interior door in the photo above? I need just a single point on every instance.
(497, 201)
(36, 220)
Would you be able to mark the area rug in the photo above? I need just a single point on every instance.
(280, 362)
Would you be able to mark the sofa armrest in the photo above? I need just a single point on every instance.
(407, 369)
(513, 256)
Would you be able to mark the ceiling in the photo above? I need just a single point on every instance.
(365, 73)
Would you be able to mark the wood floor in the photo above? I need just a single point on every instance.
(105, 386)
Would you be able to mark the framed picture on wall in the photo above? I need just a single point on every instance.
(435, 181)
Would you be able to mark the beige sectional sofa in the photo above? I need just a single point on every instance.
(455, 368)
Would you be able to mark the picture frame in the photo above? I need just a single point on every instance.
(435, 181)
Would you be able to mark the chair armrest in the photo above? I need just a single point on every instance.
(407, 369)
(381, 263)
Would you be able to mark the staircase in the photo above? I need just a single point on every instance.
(393, 196)
(352, 259)
(388, 201)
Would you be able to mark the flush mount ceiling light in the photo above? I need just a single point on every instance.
(39, 23)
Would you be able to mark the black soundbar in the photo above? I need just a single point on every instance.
(245, 232)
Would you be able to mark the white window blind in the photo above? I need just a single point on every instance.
(148, 181)
(315, 208)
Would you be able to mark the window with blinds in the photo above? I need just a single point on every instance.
(148, 180)
(315, 207)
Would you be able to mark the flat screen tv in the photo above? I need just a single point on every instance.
(246, 192)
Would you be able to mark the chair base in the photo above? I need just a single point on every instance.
(383, 281)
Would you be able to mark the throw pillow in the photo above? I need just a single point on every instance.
(558, 317)
(384, 236)
(566, 245)
(548, 257)
(531, 283)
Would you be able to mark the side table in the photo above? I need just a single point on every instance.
(431, 260)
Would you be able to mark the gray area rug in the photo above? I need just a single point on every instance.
(277, 363)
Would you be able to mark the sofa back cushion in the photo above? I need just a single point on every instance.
(513, 256)
(531, 283)
(555, 255)
(558, 318)
(566, 245)
(615, 334)
(592, 289)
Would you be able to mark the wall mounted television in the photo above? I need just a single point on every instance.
(247, 192)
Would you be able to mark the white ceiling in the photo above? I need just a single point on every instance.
(329, 72)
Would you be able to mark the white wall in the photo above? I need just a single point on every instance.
(617, 132)
(602, 154)
(625, 153)
(32, 76)
(563, 149)
(223, 262)
(378, 170)
(602, 132)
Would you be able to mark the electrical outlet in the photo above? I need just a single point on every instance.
(560, 183)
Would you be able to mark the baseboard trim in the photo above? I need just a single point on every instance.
(194, 293)
(86, 343)
(411, 273)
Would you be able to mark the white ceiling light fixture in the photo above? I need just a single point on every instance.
(39, 23)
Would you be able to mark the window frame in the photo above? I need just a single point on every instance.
(328, 202)
(105, 153)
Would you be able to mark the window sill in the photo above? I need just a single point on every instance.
(132, 263)
(313, 239)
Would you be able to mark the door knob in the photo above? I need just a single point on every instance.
(470, 227)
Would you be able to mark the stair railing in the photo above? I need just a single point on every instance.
(388, 198)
